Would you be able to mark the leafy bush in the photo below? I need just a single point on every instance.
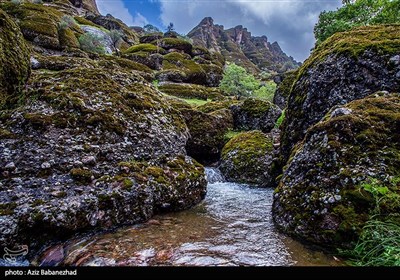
(379, 242)
(92, 43)
(237, 82)
(358, 13)
(266, 91)
(280, 120)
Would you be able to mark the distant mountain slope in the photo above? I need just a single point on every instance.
(239, 46)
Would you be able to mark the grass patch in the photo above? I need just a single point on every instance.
(280, 120)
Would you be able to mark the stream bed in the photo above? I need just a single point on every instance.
(231, 227)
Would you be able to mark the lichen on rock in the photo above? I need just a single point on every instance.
(248, 158)
(319, 198)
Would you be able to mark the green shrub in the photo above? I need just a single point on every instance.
(92, 43)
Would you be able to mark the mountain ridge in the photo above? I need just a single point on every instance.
(237, 45)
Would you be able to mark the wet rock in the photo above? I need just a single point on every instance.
(53, 256)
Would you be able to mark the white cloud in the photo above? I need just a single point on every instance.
(117, 9)
(140, 20)
(290, 22)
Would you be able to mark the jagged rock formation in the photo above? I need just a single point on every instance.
(320, 198)
(239, 46)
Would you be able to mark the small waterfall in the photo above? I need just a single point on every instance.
(214, 175)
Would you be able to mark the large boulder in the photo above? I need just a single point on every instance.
(91, 145)
(255, 114)
(348, 66)
(320, 197)
(248, 158)
(207, 133)
(14, 60)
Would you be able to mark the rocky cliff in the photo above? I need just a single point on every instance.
(239, 46)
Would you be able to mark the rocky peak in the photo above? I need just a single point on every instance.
(239, 46)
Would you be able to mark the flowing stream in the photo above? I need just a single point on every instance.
(233, 226)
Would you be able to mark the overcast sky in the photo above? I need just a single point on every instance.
(289, 22)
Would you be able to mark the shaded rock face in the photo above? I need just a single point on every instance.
(284, 85)
(14, 60)
(254, 114)
(206, 133)
(247, 158)
(89, 5)
(91, 147)
(319, 197)
(239, 46)
(334, 75)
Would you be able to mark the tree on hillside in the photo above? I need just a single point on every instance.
(170, 27)
(237, 82)
(356, 13)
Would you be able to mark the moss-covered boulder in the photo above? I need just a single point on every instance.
(348, 66)
(190, 91)
(320, 197)
(255, 114)
(247, 158)
(14, 60)
(206, 134)
(284, 86)
(175, 44)
(213, 106)
(90, 144)
(38, 23)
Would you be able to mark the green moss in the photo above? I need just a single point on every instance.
(14, 62)
(67, 38)
(7, 208)
(175, 43)
(82, 176)
(6, 134)
(37, 202)
(146, 48)
(231, 134)
(84, 21)
(250, 144)
(255, 107)
(216, 105)
(38, 120)
(124, 63)
(285, 87)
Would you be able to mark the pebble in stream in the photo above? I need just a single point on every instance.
(232, 227)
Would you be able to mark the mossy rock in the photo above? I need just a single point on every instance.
(347, 66)
(195, 73)
(320, 198)
(148, 38)
(174, 43)
(210, 107)
(247, 158)
(206, 134)
(190, 91)
(255, 114)
(147, 48)
(38, 23)
(14, 61)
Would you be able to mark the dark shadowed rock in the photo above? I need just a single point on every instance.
(284, 85)
(255, 114)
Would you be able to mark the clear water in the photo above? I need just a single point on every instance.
(232, 227)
